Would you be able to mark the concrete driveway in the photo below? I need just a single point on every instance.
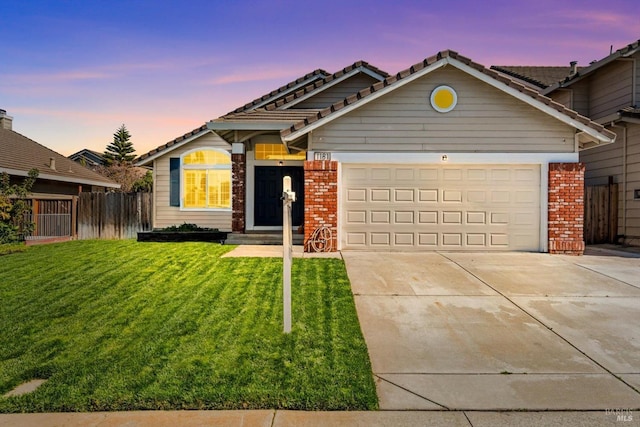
(500, 331)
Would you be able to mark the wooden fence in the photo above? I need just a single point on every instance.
(113, 215)
(601, 214)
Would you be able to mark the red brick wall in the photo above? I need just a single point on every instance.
(238, 186)
(320, 199)
(566, 208)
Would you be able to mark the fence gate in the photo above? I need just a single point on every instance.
(601, 213)
(52, 218)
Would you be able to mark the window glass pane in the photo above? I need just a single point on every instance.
(207, 157)
(276, 152)
(219, 186)
(195, 188)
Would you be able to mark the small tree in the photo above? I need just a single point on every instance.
(14, 224)
(121, 149)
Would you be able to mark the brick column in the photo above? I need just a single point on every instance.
(566, 208)
(320, 199)
(238, 193)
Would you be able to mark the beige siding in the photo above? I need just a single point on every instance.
(562, 96)
(636, 100)
(580, 97)
(485, 120)
(633, 181)
(338, 92)
(611, 89)
(165, 215)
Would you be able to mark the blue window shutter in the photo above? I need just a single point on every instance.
(174, 181)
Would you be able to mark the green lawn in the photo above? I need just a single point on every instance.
(120, 325)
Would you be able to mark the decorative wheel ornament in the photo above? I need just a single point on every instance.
(321, 240)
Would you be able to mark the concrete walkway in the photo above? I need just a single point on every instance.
(505, 331)
(270, 418)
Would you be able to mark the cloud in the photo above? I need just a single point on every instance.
(258, 74)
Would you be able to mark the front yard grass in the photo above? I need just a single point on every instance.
(121, 325)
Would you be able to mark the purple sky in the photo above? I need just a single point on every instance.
(71, 72)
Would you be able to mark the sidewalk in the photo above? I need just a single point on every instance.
(271, 418)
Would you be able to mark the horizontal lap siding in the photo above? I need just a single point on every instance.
(338, 92)
(633, 179)
(165, 215)
(485, 120)
(611, 89)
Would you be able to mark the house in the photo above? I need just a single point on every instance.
(59, 182)
(445, 155)
(88, 158)
(607, 91)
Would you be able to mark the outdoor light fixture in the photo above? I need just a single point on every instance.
(444, 158)
(280, 163)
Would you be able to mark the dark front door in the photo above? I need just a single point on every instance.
(268, 192)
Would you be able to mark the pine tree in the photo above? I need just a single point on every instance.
(121, 149)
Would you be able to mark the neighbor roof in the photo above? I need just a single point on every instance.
(19, 154)
(538, 76)
(626, 51)
(443, 58)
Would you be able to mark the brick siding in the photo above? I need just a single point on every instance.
(320, 199)
(238, 192)
(566, 208)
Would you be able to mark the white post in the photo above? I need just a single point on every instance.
(288, 197)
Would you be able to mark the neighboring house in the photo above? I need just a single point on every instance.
(445, 155)
(59, 182)
(608, 92)
(88, 158)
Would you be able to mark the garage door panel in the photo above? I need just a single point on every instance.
(417, 207)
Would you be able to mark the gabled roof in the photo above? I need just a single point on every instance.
(530, 96)
(19, 154)
(282, 91)
(538, 76)
(174, 143)
(320, 85)
(626, 51)
(89, 156)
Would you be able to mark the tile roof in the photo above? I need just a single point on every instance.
(19, 153)
(539, 76)
(624, 52)
(314, 75)
(171, 143)
(394, 79)
(319, 83)
(267, 115)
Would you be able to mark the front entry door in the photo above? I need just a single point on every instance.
(268, 193)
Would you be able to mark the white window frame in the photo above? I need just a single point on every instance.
(183, 181)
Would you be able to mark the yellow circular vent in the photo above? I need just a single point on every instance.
(444, 99)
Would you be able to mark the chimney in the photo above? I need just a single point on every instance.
(5, 121)
(52, 163)
(573, 70)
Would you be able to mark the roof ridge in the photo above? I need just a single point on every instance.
(283, 88)
(319, 83)
(401, 75)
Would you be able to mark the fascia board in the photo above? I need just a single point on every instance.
(531, 101)
(73, 180)
(295, 135)
(288, 91)
(250, 125)
(161, 153)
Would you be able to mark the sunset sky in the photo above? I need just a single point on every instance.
(71, 72)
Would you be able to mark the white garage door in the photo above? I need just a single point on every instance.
(429, 207)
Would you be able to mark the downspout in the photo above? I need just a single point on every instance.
(624, 176)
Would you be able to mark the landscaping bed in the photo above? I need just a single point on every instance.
(121, 325)
(183, 233)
